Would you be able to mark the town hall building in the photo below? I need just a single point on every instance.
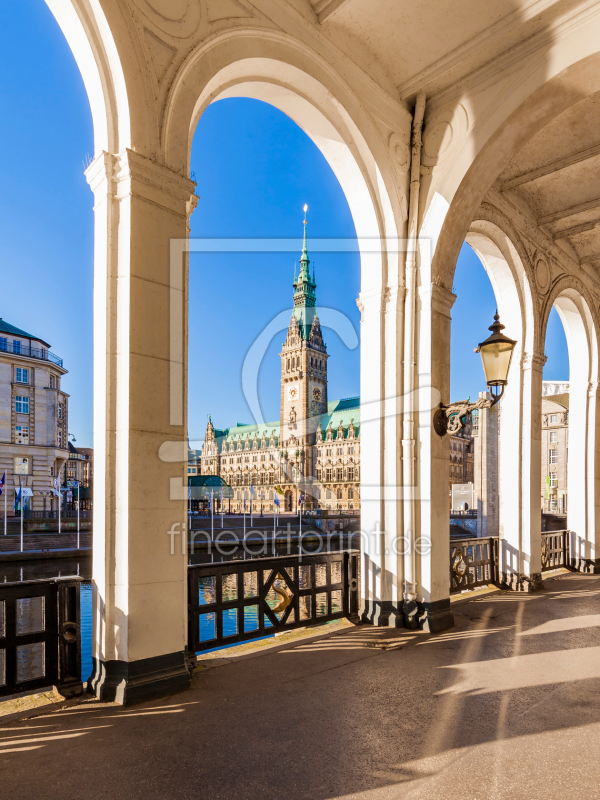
(313, 451)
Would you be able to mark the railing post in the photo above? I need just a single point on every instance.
(69, 637)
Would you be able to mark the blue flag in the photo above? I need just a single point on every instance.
(277, 503)
(18, 500)
(2, 482)
(251, 488)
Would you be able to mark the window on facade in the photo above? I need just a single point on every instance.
(553, 419)
(21, 465)
(16, 346)
(3, 343)
(319, 475)
(22, 434)
(328, 494)
(60, 410)
(255, 458)
(553, 457)
(60, 438)
(52, 381)
(340, 474)
(554, 480)
(350, 473)
(328, 451)
(22, 375)
(340, 451)
(554, 436)
(351, 451)
(21, 405)
(350, 494)
(328, 474)
(339, 494)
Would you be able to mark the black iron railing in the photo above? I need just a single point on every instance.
(22, 349)
(65, 514)
(473, 563)
(555, 550)
(40, 636)
(243, 600)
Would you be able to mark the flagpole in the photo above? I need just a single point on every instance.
(212, 515)
(244, 515)
(78, 515)
(59, 504)
(21, 520)
(5, 493)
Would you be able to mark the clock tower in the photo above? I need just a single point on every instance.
(303, 368)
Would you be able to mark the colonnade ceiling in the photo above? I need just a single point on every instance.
(556, 179)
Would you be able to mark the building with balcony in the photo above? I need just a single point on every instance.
(33, 417)
(313, 450)
(555, 446)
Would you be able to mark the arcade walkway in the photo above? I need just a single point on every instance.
(505, 705)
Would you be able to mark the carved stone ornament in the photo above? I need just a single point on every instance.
(542, 274)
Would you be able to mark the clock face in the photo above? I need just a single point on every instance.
(292, 393)
(316, 393)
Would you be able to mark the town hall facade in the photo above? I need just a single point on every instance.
(313, 450)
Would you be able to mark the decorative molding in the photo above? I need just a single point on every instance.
(161, 55)
(475, 44)
(550, 167)
(575, 229)
(509, 60)
(590, 205)
(177, 18)
(325, 9)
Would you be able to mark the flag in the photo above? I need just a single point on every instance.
(279, 490)
(18, 500)
(251, 489)
(210, 505)
(2, 482)
(277, 503)
(300, 500)
(244, 501)
(76, 484)
(56, 488)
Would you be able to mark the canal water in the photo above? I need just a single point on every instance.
(62, 567)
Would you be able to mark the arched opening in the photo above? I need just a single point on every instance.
(262, 171)
(503, 464)
(569, 428)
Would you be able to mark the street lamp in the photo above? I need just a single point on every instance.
(496, 354)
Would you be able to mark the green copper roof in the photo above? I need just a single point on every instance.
(6, 327)
(344, 411)
(305, 297)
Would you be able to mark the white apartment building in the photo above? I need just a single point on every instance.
(33, 418)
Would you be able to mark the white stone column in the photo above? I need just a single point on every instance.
(593, 480)
(486, 470)
(520, 470)
(139, 578)
(381, 575)
(431, 539)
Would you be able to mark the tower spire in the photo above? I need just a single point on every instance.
(304, 260)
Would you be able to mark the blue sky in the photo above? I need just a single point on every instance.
(255, 170)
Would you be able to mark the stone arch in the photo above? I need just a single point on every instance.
(499, 249)
(296, 81)
(90, 38)
(545, 102)
(576, 310)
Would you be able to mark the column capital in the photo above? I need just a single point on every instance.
(533, 361)
(442, 300)
(155, 183)
(100, 173)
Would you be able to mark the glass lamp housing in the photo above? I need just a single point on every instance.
(496, 355)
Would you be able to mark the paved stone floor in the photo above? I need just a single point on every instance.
(506, 705)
